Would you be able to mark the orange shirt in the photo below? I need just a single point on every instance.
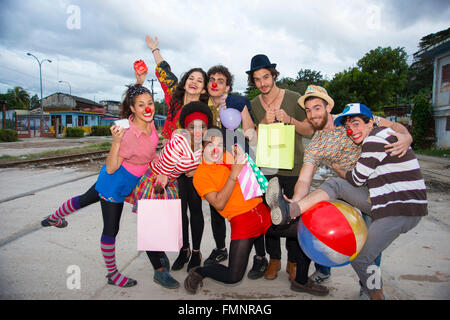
(212, 178)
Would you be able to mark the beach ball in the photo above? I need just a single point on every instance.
(332, 233)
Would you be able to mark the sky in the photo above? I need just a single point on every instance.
(93, 44)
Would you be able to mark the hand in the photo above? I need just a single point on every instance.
(294, 209)
(270, 116)
(282, 116)
(161, 183)
(140, 78)
(338, 169)
(190, 174)
(152, 44)
(400, 147)
(239, 162)
(117, 133)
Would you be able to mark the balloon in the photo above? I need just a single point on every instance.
(230, 118)
(332, 233)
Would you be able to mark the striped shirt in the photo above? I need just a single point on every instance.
(176, 158)
(396, 185)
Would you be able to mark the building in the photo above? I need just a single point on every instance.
(440, 53)
(70, 111)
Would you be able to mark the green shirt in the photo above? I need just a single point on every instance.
(292, 108)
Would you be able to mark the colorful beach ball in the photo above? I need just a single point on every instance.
(332, 233)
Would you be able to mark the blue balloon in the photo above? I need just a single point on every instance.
(230, 118)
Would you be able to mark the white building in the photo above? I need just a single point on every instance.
(440, 52)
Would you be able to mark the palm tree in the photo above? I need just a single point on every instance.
(19, 98)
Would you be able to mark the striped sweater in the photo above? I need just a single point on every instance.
(396, 185)
(176, 158)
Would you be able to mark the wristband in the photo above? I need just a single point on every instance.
(155, 50)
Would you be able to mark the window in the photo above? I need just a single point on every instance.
(447, 125)
(68, 119)
(445, 79)
(80, 121)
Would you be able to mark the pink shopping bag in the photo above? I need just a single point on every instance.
(159, 225)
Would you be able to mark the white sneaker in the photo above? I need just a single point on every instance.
(319, 278)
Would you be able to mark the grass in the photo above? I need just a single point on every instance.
(443, 153)
(55, 153)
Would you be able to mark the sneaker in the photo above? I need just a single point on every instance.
(260, 265)
(279, 212)
(193, 281)
(183, 257)
(216, 256)
(196, 260)
(47, 222)
(310, 287)
(164, 279)
(363, 295)
(318, 277)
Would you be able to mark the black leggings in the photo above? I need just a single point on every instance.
(237, 263)
(239, 255)
(112, 212)
(190, 198)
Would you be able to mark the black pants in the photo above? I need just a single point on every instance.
(273, 244)
(190, 198)
(240, 252)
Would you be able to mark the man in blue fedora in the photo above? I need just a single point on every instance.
(278, 105)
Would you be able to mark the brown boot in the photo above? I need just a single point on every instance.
(291, 269)
(193, 280)
(273, 268)
(310, 287)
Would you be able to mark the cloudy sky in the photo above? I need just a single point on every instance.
(93, 44)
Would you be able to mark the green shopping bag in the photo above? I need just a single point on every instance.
(276, 144)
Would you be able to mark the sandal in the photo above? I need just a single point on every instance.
(130, 282)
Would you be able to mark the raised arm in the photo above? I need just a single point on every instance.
(153, 45)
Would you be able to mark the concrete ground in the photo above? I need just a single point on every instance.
(51, 263)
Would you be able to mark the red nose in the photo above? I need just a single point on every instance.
(198, 134)
(214, 85)
(349, 132)
(216, 150)
(147, 110)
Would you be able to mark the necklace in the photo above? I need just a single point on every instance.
(269, 104)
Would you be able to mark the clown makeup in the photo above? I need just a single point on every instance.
(213, 150)
(358, 128)
(144, 107)
(197, 129)
(217, 85)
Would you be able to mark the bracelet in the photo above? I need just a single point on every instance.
(155, 50)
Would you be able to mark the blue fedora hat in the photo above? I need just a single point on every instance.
(260, 61)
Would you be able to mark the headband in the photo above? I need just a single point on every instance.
(194, 116)
(137, 90)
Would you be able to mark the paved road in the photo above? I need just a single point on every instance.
(38, 263)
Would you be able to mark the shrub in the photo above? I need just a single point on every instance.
(8, 135)
(100, 131)
(421, 115)
(75, 132)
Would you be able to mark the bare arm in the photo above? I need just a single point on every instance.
(153, 44)
(304, 181)
(114, 161)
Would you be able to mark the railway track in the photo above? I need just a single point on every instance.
(62, 161)
(59, 161)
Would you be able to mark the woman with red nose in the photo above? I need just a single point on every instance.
(177, 95)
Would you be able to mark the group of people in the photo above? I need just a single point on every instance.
(201, 159)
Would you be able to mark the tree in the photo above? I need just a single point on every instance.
(376, 81)
(34, 102)
(420, 73)
(421, 115)
(18, 98)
